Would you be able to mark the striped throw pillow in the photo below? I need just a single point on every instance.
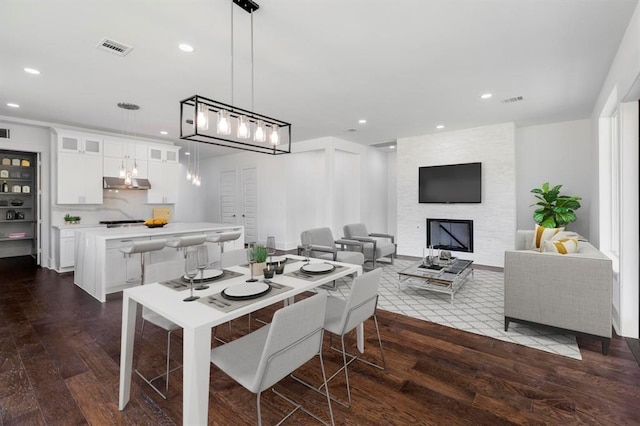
(562, 246)
(542, 234)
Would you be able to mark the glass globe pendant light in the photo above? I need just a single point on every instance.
(224, 125)
(260, 134)
(275, 135)
(243, 128)
(202, 117)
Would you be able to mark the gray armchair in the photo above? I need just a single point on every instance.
(325, 247)
(376, 245)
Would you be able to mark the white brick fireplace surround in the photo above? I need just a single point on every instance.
(494, 219)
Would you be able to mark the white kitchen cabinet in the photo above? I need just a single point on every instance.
(123, 152)
(79, 168)
(163, 174)
(163, 154)
(65, 246)
(80, 144)
(79, 179)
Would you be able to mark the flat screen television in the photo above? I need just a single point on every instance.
(454, 183)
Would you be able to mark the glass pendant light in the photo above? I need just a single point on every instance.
(134, 171)
(123, 172)
(243, 127)
(224, 125)
(203, 117)
(127, 180)
(275, 134)
(259, 135)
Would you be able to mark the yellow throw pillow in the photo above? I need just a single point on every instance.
(562, 246)
(542, 234)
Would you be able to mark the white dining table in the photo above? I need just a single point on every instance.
(197, 320)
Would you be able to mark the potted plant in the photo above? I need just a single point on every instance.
(554, 210)
(70, 220)
(260, 253)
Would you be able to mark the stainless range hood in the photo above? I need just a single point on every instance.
(117, 183)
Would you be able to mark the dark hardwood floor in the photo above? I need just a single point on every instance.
(59, 364)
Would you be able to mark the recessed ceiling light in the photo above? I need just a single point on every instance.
(187, 153)
(392, 147)
(486, 95)
(440, 126)
(12, 105)
(363, 121)
(186, 47)
(164, 132)
(32, 71)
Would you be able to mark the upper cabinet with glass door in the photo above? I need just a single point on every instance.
(165, 154)
(80, 144)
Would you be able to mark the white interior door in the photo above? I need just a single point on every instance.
(228, 197)
(250, 204)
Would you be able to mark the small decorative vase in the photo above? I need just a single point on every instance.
(258, 267)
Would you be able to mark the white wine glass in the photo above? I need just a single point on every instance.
(251, 258)
(202, 254)
(271, 247)
(306, 244)
(191, 270)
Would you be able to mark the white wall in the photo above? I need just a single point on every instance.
(494, 219)
(392, 192)
(557, 153)
(622, 85)
(323, 182)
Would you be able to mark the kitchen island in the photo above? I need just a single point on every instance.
(101, 268)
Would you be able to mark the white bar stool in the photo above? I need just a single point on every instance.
(148, 315)
(143, 247)
(222, 237)
(187, 241)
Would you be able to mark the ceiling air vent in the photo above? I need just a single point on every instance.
(351, 130)
(4, 133)
(114, 47)
(512, 100)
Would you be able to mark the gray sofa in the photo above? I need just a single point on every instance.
(571, 292)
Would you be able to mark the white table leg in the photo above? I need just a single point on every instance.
(126, 349)
(196, 355)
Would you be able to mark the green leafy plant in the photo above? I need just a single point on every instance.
(69, 218)
(260, 253)
(554, 209)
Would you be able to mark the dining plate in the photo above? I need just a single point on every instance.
(209, 275)
(317, 268)
(245, 291)
(277, 259)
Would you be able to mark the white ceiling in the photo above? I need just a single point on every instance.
(403, 65)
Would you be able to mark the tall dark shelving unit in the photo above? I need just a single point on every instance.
(18, 204)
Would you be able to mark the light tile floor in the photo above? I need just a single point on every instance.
(477, 308)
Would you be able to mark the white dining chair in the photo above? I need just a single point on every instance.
(261, 359)
(342, 316)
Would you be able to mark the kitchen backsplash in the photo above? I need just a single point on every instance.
(117, 205)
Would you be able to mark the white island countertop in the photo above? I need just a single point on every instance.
(142, 231)
(101, 268)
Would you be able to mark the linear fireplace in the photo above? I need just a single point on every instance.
(450, 234)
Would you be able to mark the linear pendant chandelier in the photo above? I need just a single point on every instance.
(208, 121)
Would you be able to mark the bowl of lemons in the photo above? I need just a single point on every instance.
(155, 223)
